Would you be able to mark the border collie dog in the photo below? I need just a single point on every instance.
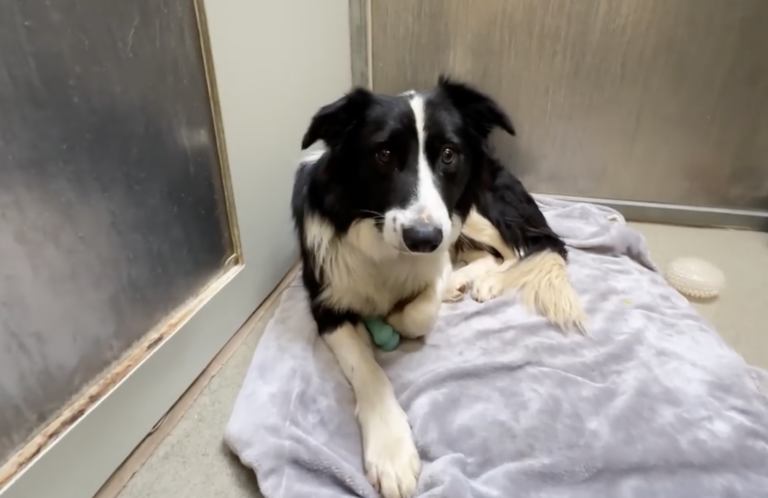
(406, 187)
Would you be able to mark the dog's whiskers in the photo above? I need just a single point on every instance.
(375, 213)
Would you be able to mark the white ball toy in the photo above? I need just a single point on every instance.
(695, 277)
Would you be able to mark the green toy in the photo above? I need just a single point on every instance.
(383, 335)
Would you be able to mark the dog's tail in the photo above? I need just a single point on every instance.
(543, 281)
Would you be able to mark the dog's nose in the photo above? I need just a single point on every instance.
(422, 237)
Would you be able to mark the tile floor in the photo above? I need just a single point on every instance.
(192, 461)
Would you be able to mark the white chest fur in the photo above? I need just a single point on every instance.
(362, 273)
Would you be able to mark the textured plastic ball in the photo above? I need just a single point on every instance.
(695, 277)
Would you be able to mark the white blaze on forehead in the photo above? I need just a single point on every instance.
(427, 204)
(428, 200)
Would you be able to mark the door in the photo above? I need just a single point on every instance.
(147, 152)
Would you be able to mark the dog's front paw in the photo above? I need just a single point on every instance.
(391, 460)
(456, 288)
(487, 286)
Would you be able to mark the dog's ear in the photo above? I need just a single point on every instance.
(333, 120)
(479, 111)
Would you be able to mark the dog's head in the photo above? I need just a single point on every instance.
(408, 162)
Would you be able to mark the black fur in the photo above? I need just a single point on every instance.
(509, 207)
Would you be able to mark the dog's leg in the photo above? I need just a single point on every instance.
(391, 460)
(543, 281)
(417, 318)
(541, 277)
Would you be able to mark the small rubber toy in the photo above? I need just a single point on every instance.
(695, 277)
(382, 334)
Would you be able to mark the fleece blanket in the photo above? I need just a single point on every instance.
(650, 403)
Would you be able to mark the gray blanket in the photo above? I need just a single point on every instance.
(651, 403)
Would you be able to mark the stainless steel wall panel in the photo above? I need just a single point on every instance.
(644, 100)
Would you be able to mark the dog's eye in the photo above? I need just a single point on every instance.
(384, 156)
(448, 155)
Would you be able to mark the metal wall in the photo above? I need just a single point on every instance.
(111, 202)
(646, 100)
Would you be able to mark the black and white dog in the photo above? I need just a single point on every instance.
(407, 184)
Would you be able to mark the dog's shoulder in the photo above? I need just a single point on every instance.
(511, 209)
